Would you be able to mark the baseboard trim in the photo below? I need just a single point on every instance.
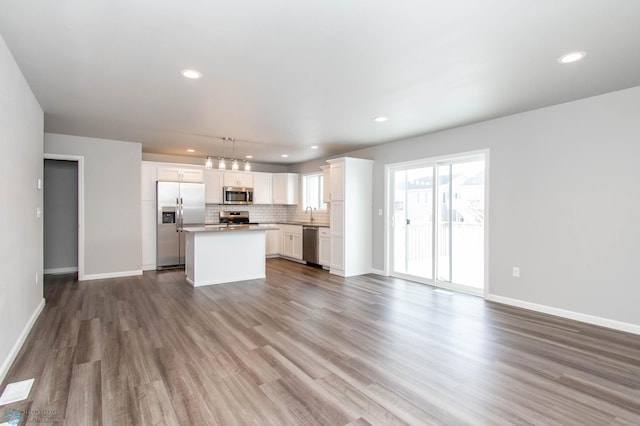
(68, 270)
(577, 316)
(378, 272)
(111, 275)
(21, 339)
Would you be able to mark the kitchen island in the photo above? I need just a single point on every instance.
(220, 254)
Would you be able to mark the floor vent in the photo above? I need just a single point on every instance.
(17, 391)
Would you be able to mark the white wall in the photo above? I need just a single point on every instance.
(112, 211)
(564, 202)
(21, 133)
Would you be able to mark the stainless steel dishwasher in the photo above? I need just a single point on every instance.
(310, 244)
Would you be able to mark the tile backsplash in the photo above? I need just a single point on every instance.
(319, 216)
(267, 213)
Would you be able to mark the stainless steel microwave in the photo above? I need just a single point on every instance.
(237, 195)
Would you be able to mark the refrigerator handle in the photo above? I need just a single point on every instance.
(181, 214)
(177, 215)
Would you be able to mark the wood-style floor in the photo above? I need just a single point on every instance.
(305, 347)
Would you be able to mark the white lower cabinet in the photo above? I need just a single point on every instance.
(291, 236)
(324, 246)
(273, 242)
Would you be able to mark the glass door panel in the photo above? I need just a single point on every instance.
(413, 222)
(444, 223)
(419, 222)
(468, 224)
(399, 212)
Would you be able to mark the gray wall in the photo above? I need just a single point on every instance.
(60, 216)
(21, 133)
(564, 201)
(112, 212)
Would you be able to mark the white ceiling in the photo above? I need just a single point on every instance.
(282, 75)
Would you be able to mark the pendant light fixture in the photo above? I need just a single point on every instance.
(247, 166)
(234, 164)
(209, 163)
(221, 163)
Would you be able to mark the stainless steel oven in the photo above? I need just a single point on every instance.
(237, 195)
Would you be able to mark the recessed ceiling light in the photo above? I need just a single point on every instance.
(192, 74)
(191, 150)
(284, 155)
(248, 156)
(571, 57)
(380, 119)
(314, 146)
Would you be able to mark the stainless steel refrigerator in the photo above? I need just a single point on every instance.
(178, 205)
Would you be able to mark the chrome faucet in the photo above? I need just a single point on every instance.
(311, 209)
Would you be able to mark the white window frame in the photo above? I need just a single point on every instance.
(303, 204)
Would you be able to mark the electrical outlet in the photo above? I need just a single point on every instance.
(516, 272)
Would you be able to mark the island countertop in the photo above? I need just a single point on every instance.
(216, 254)
(230, 228)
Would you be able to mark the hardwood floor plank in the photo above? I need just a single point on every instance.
(155, 405)
(84, 405)
(306, 347)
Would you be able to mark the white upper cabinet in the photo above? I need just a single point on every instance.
(285, 188)
(262, 183)
(213, 186)
(195, 175)
(241, 179)
(336, 181)
(180, 174)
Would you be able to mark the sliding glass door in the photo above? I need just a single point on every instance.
(437, 224)
(413, 222)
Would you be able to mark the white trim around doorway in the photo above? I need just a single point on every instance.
(80, 160)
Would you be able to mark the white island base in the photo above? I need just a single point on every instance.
(221, 256)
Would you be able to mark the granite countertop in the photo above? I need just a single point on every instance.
(225, 228)
(316, 224)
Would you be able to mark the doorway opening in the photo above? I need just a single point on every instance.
(63, 221)
(437, 229)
